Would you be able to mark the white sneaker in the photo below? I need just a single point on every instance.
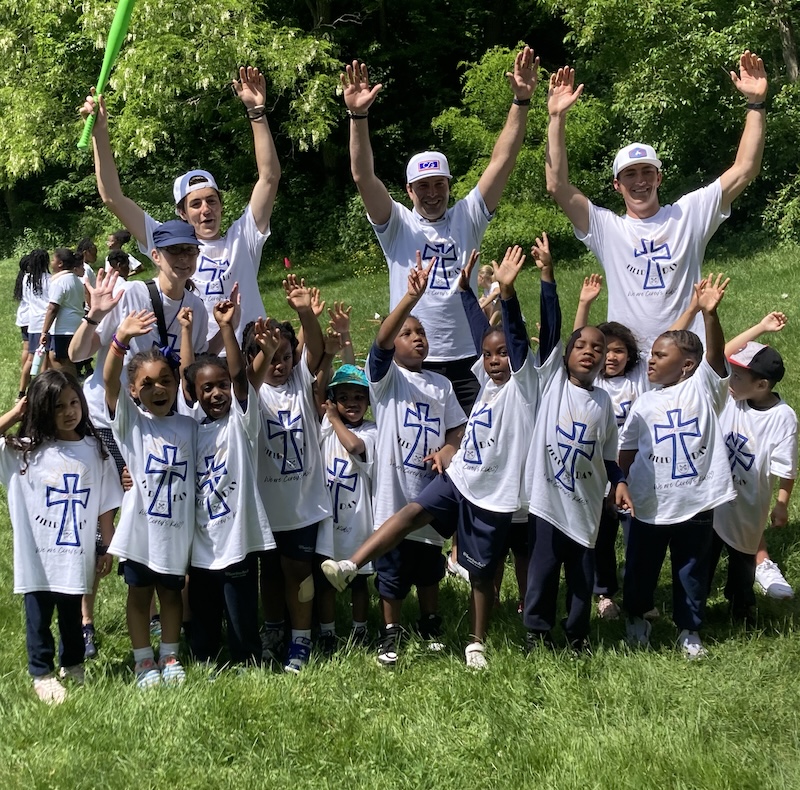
(76, 674)
(637, 630)
(49, 689)
(455, 568)
(607, 609)
(691, 646)
(475, 656)
(771, 581)
(172, 671)
(339, 574)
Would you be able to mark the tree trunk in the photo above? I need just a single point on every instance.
(786, 34)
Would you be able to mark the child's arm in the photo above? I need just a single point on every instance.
(225, 314)
(268, 341)
(686, 318)
(441, 459)
(478, 323)
(708, 297)
(780, 513)
(772, 322)
(417, 283)
(352, 443)
(298, 297)
(13, 415)
(626, 458)
(340, 323)
(549, 306)
(592, 285)
(185, 317)
(333, 345)
(505, 275)
(137, 323)
(105, 561)
(49, 318)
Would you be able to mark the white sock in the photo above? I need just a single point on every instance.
(306, 634)
(326, 628)
(142, 654)
(359, 624)
(168, 649)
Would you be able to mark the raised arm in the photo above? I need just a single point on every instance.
(267, 341)
(561, 95)
(137, 323)
(549, 306)
(185, 319)
(298, 297)
(504, 155)
(417, 283)
(225, 316)
(592, 285)
(751, 82)
(505, 275)
(708, 297)
(772, 322)
(476, 318)
(340, 324)
(130, 214)
(358, 98)
(86, 342)
(251, 88)
(14, 415)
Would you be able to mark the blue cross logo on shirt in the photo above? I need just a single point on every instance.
(168, 469)
(472, 449)
(654, 275)
(444, 253)
(70, 498)
(215, 502)
(574, 444)
(624, 409)
(735, 443)
(288, 428)
(676, 430)
(418, 418)
(214, 285)
(338, 480)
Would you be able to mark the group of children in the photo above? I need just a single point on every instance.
(256, 470)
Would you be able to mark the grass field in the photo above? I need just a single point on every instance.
(618, 719)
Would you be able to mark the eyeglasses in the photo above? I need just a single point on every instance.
(188, 250)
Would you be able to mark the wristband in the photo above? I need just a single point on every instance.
(116, 351)
(356, 116)
(115, 340)
(756, 105)
(90, 321)
(256, 113)
(521, 102)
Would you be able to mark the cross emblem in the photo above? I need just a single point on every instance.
(289, 429)
(654, 275)
(624, 410)
(418, 418)
(215, 502)
(676, 430)
(735, 443)
(168, 469)
(445, 254)
(472, 450)
(338, 480)
(71, 498)
(216, 268)
(573, 444)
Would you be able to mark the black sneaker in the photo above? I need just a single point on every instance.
(359, 636)
(273, 648)
(389, 645)
(536, 640)
(327, 642)
(89, 647)
(429, 628)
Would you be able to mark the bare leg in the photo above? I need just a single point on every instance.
(391, 532)
(360, 603)
(325, 599)
(294, 573)
(137, 614)
(762, 553)
(171, 604)
(391, 609)
(272, 587)
(25, 375)
(428, 600)
(481, 603)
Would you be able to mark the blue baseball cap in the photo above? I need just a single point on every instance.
(174, 231)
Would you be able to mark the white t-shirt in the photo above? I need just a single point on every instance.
(89, 275)
(66, 290)
(450, 240)
(681, 468)
(235, 257)
(413, 412)
(37, 304)
(651, 265)
(489, 467)
(291, 479)
(762, 445)
(156, 524)
(230, 521)
(575, 434)
(54, 509)
(350, 486)
(624, 390)
(22, 312)
(137, 297)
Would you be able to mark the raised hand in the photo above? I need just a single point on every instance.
(562, 93)
(592, 285)
(418, 278)
(251, 87)
(507, 270)
(541, 252)
(525, 75)
(466, 272)
(317, 302)
(266, 338)
(340, 318)
(185, 317)
(358, 95)
(224, 312)
(710, 292)
(333, 342)
(94, 105)
(136, 324)
(298, 296)
(102, 296)
(751, 81)
(773, 322)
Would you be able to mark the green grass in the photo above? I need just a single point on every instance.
(619, 719)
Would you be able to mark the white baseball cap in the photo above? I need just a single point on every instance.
(635, 154)
(202, 179)
(426, 164)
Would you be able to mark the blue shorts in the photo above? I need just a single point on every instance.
(138, 575)
(23, 330)
(298, 544)
(482, 534)
(410, 563)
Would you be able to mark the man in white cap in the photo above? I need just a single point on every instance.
(224, 259)
(449, 235)
(652, 254)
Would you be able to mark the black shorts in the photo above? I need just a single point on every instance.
(138, 575)
(297, 544)
(410, 564)
(59, 345)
